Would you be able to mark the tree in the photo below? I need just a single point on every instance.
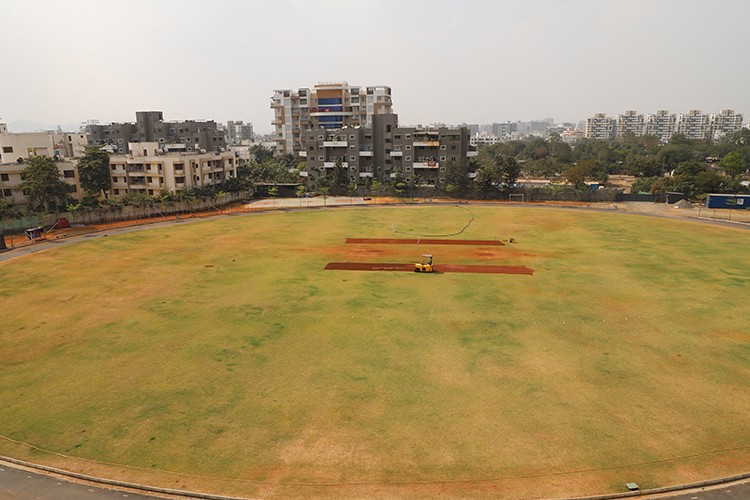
(456, 174)
(376, 186)
(340, 175)
(261, 154)
(576, 174)
(325, 192)
(93, 171)
(733, 165)
(8, 210)
(42, 183)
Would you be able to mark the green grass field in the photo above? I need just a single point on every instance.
(223, 349)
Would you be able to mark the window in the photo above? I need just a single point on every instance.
(352, 158)
(320, 137)
(442, 169)
(117, 191)
(352, 147)
(397, 137)
(407, 169)
(453, 147)
(7, 149)
(407, 158)
(407, 136)
(353, 169)
(351, 137)
(442, 180)
(442, 147)
(7, 193)
(442, 158)
(408, 179)
(311, 148)
(4, 177)
(407, 147)
(320, 158)
(114, 167)
(188, 139)
(119, 141)
(69, 174)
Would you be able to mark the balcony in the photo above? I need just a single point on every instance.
(427, 144)
(365, 174)
(429, 165)
(334, 144)
(302, 154)
(365, 152)
(471, 154)
(330, 113)
(135, 172)
(331, 164)
(397, 153)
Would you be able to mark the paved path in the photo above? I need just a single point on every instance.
(17, 484)
(732, 492)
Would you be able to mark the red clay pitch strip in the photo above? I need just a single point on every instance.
(442, 268)
(422, 241)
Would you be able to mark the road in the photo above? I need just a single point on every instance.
(17, 484)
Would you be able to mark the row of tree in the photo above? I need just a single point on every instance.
(692, 167)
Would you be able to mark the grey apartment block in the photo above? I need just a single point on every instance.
(386, 151)
(180, 136)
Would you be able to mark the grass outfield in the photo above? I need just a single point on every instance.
(223, 349)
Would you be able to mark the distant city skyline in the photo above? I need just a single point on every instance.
(478, 63)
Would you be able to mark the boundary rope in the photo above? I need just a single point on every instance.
(387, 483)
(393, 228)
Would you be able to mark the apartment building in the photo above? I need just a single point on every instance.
(16, 148)
(600, 126)
(694, 125)
(662, 124)
(10, 180)
(630, 123)
(385, 151)
(725, 122)
(483, 138)
(238, 131)
(328, 106)
(186, 136)
(148, 170)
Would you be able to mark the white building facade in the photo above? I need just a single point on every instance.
(327, 105)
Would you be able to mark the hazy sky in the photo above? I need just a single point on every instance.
(446, 61)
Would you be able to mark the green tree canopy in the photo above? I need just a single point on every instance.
(42, 183)
(733, 165)
(93, 171)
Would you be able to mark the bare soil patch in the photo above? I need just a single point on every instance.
(422, 241)
(442, 268)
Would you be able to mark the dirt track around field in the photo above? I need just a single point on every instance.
(423, 241)
(442, 268)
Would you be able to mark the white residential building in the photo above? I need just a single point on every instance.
(630, 123)
(694, 125)
(662, 124)
(483, 138)
(725, 122)
(600, 126)
(327, 105)
(148, 170)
